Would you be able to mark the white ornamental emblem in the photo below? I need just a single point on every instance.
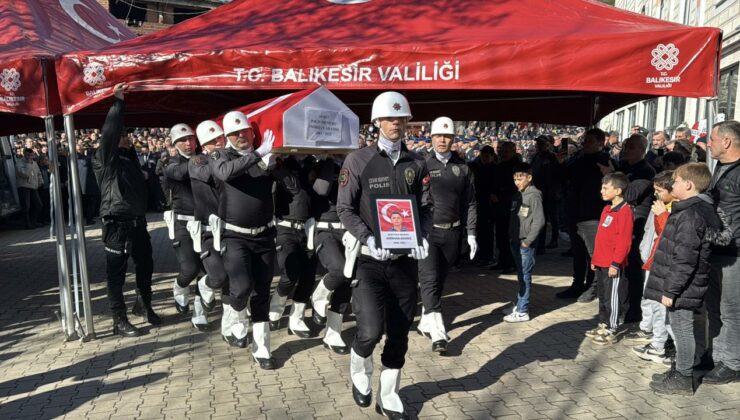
(347, 1)
(94, 74)
(665, 57)
(10, 80)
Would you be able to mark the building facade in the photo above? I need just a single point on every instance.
(670, 112)
(145, 16)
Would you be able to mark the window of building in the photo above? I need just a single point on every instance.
(727, 92)
(650, 117)
(632, 116)
(678, 109)
(620, 121)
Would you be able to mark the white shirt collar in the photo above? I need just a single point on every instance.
(444, 158)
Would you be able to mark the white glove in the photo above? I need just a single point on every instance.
(420, 252)
(473, 245)
(267, 140)
(379, 254)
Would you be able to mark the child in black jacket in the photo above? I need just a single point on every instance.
(680, 272)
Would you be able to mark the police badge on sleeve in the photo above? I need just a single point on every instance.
(410, 175)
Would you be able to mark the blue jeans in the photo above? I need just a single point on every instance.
(524, 262)
(723, 308)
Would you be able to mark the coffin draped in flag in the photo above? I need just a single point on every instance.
(528, 60)
(310, 120)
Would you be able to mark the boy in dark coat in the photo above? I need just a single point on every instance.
(680, 272)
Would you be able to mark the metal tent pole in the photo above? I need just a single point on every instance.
(76, 193)
(67, 315)
(711, 103)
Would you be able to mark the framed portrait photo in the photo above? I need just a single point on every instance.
(397, 224)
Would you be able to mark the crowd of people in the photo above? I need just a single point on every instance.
(653, 235)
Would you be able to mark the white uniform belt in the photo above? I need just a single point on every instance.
(330, 225)
(364, 250)
(447, 225)
(248, 231)
(185, 218)
(291, 224)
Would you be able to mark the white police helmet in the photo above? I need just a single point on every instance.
(178, 131)
(235, 121)
(208, 131)
(443, 126)
(390, 104)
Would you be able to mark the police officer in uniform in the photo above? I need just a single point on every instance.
(331, 298)
(384, 300)
(210, 137)
(246, 210)
(453, 194)
(181, 197)
(297, 267)
(123, 210)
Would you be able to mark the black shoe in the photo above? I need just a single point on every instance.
(705, 363)
(274, 325)
(265, 364)
(122, 327)
(675, 383)
(552, 245)
(588, 295)
(182, 309)
(141, 309)
(570, 293)
(660, 377)
(201, 327)
(208, 306)
(361, 399)
(236, 342)
(720, 375)
(337, 349)
(318, 319)
(394, 415)
(301, 334)
(440, 346)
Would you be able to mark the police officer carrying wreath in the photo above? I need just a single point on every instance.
(453, 194)
(123, 210)
(181, 197)
(206, 203)
(384, 300)
(248, 244)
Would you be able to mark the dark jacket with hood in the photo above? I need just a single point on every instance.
(681, 264)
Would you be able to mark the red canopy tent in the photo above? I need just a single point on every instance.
(567, 61)
(34, 32)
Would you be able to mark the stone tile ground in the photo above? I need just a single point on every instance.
(540, 369)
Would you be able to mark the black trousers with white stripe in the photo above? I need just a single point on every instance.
(613, 296)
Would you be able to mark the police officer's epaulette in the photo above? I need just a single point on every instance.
(200, 160)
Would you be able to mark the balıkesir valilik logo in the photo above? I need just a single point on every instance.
(664, 59)
(94, 74)
(10, 79)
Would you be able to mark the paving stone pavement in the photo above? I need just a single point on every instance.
(540, 369)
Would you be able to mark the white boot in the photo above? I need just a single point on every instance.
(426, 324)
(240, 327)
(361, 371)
(182, 297)
(199, 319)
(277, 307)
(333, 337)
(228, 319)
(390, 384)
(296, 325)
(261, 349)
(320, 301)
(207, 294)
(438, 331)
